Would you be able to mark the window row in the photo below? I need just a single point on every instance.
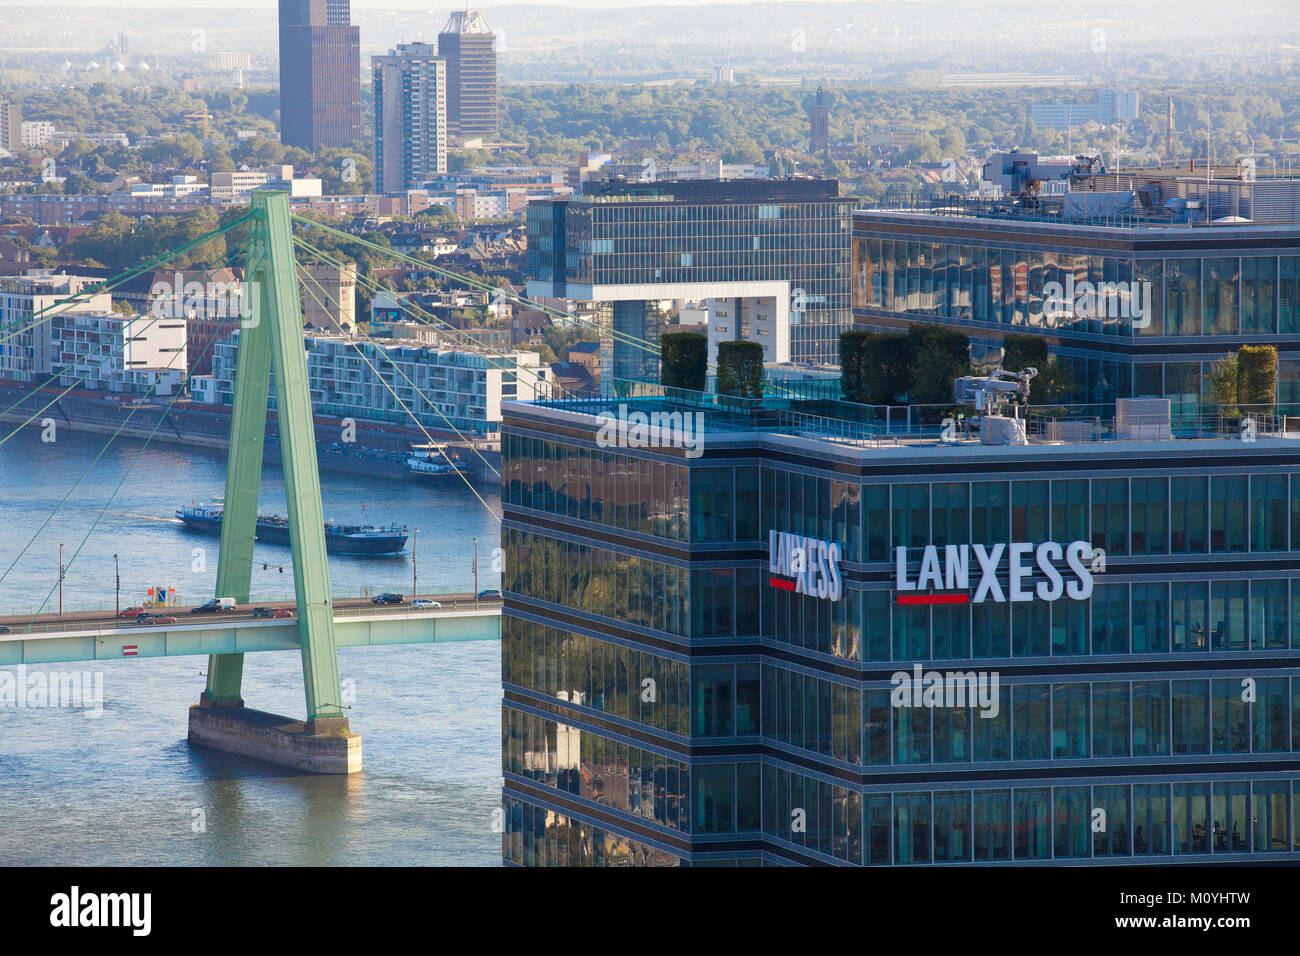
(1031, 823)
(536, 836)
(1119, 618)
(603, 676)
(1251, 295)
(594, 768)
(1142, 618)
(621, 491)
(1200, 514)
(1059, 721)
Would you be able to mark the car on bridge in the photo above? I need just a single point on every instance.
(272, 612)
(425, 602)
(4, 628)
(214, 606)
(130, 612)
(388, 597)
(158, 619)
(490, 595)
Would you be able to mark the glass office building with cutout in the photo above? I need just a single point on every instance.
(631, 246)
(676, 694)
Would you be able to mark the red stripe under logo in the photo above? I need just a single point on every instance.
(933, 599)
(781, 583)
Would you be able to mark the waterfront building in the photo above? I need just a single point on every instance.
(119, 353)
(467, 388)
(678, 691)
(28, 354)
(1181, 294)
(320, 74)
(410, 89)
(632, 246)
(468, 46)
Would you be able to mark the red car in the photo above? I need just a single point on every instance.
(159, 619)
(130, 612)
(280, 612)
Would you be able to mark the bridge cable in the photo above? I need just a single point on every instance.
(126, 474)
(153, 262)
(79, 380)
(417, 421)
(482, 286)
(126, 421)
(442, 325)
(398, 368)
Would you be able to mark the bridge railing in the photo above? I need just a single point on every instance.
(103, 615)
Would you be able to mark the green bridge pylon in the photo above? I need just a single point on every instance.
(270, 337)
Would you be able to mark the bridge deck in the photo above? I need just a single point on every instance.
(92, 636)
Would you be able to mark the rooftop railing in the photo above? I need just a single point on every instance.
(872, 426)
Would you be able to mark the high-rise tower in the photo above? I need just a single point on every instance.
(469, 47)
(320, 74)
(819, 114)
(410, 87)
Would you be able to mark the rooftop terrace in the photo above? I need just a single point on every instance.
(850, 424)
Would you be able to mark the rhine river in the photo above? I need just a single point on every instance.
(124, 787)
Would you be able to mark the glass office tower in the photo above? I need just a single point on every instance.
(631, 245)
(679, 689)
(1185, 295)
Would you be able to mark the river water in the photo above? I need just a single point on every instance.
(123, 786)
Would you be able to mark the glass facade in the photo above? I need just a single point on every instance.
(711, 233)
(1105, 297)
(662, 684)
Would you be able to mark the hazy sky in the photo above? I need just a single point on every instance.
(435, 7)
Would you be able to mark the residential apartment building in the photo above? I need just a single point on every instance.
(119, 353)
(443, 388)
(36, 133)
(26, 309)
(410, 90)
(11, 126)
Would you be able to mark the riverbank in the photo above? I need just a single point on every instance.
(375, 449)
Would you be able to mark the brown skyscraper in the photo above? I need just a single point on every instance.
(469, 47)
(819, 115)
(320, 74)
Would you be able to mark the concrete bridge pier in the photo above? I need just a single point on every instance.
(322, 745)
